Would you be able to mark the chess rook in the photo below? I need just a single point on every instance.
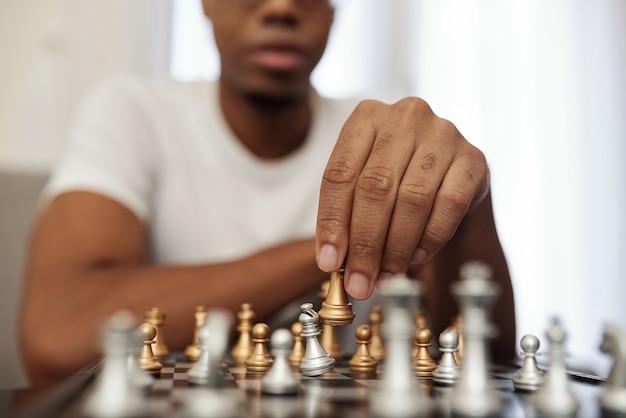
(336, 310)
(474, 394)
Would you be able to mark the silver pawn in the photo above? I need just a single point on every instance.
(555, 399)
(529, 377)
(316, 360)
(447, 372)
(280, 379)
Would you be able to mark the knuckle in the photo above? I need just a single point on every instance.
(416, 196)
(394, 259)
(367, 107)
(376, 182)
(454, 202)
(339, 172)
(364, 249)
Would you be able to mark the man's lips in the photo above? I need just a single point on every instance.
(277, 58)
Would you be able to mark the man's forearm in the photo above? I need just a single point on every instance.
(65, 308)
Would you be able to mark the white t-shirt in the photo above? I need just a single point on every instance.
(164, 150)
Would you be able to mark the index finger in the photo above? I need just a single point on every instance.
(337, 191)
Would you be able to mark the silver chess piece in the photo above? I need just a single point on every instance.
(114, 394)
(613, 399)
(399, 394)
(529, 377)
(280, 379)
(213, 342)
(447, 372)
(474, 394)
(316, 360)
(555, 398)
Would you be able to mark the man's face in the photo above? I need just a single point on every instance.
(270, 47)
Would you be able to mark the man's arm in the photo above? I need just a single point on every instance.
(88, 258)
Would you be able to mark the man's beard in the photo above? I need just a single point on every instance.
(270, 101)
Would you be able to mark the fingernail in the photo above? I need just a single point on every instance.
(358, 286)
(327, 258)
(419, 256)
(384, 275)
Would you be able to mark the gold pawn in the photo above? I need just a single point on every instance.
(420, 322)
(336, 310)
(376, 348)
(297, 352)
(157, 318)
(423, 363)
(243, 348)
(147, 360)
(362, 361)
(193, 351)
(260, 359)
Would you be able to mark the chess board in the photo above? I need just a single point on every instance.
(340, 393)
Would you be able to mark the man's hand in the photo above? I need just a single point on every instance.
(395, 189)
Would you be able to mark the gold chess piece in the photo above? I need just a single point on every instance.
(420, 322)
(423, 363)
(376, 348)
(336, 310)
(193, 351)
(328, 338)
(157, 318)
(297, 352)
(243, 348)
(362, 361)
(147, 360)
(260, 360)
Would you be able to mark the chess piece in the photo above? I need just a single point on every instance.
(280, 380)
(213, 341)
(555, 397)
(529, 377)
(192, 352)
(336, 310)
(420, 322)
(328, 339)
(423, 363)
(447, 373)
(260, 359)
(316, 360)
(613, 398)
(377, 350)
(475, 294)
(297, 352)
(243, 348)
(147, 360)
(114, 395)
(362, 361)
(398, 394)
(136, 375)
(157, 318)
(457, 326)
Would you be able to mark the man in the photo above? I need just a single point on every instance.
(183, 194)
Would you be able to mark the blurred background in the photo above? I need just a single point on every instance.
(539, 86)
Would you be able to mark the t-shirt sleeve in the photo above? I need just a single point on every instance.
(110, 149)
